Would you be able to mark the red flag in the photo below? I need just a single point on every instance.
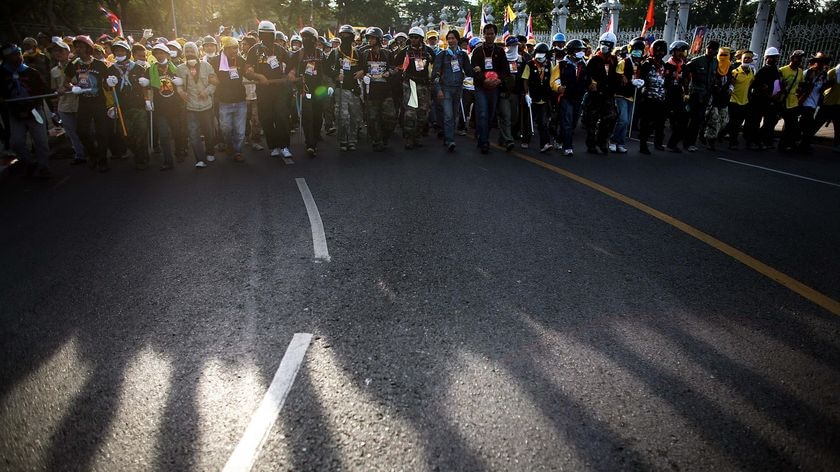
(300, 23)
(609, 26)
(648, 19)
(116, 24)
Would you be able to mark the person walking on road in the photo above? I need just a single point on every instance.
(269, 65)
(198, 87)
(452, 65)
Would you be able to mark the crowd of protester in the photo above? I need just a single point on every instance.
(116, 98)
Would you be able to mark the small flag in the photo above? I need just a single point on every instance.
(529, 29)
(468, 32)
(116, 24)
(648, 19)
(697, 43)
(609, 25)
(483, 20)
(330, 34)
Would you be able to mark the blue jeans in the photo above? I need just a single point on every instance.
(68, 122)
(451, 108)
(232, 119)
(622, 124)
(485, 104)
(570, 114)
(20, 129)
(200, 123)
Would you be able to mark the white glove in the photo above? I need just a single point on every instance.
(528, 100)
(178, 81)
(557, 83)
(639, 83)
(77, 90)
(144, 82)
(112, 81)
(366, 80)
(150, 106)
(147, 33)
(112, 113)
(330, 91)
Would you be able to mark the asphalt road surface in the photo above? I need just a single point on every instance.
(665, 312)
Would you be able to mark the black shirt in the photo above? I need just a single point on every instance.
(348, 62)
(231, 88)
(374, 65)
(416, 64)
(272, 61)
(90, 77)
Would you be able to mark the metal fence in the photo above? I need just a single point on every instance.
(810, 38)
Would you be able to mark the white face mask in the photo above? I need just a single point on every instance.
(192, 62)
(173, 53)
(540, 57)
(120, 58)
(142, 63)
(580, 54)
(163, 62)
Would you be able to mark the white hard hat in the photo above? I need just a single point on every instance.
(265, 26)
(416, 31)
(771, 51)
(609, 37)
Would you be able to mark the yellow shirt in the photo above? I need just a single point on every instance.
(831, 96)
(790, 80)
(742, 79)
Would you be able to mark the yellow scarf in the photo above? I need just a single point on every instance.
(723, 61)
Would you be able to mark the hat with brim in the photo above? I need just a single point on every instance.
(121, 44)
(84, 40)
(160, 47)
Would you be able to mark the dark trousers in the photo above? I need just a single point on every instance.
(737, 116)
(652, 115)
(94, 129)
(829, 113)
(542, 114)
(313, 119)
(696, 111)
(599, 117)
(792, 130)
(274, 112)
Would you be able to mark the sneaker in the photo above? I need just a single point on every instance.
(310, 151)
(286, 153)
(462, 132)
(211, 158)
(546, 148)
(451, 147)
(200, 164)
(351, 147)
(524, 145)
(558, 146)
(568, 152)
(275, 152)
(509, 146)
(343, 148)
(612, 147)
(620, 149)
(691, 148)
(331, 131)
(257, 147)
(238, 158)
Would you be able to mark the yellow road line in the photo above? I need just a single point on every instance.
(819, 298)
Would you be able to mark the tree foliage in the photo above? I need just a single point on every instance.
(199, 17)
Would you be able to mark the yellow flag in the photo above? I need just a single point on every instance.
(330, 34)
(511, 15)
